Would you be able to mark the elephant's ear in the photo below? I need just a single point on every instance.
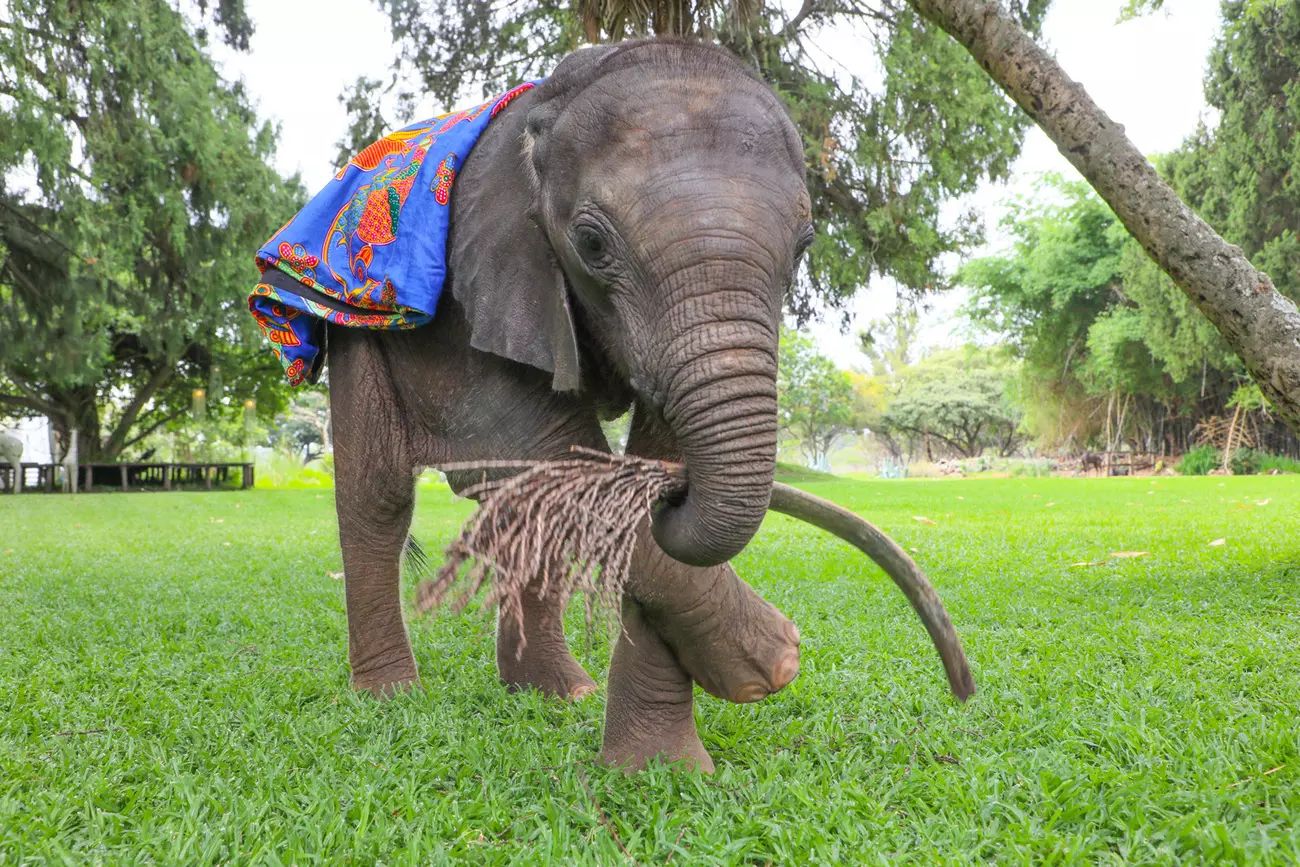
(503, 271)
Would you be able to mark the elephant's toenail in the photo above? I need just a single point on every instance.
(581, 692)
(750, 692)
(786, 670)
(792, 632)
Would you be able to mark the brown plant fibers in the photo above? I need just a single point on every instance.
(571, 524)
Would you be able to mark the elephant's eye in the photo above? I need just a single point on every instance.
(591, 245)
(805, 241)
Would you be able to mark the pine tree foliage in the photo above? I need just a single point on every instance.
(134, 184)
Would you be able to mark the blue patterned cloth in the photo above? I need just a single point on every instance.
(370, 250)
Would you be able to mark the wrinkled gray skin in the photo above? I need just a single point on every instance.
(621, 235)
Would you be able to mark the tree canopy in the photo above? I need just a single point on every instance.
(1096, 319)
(134, 184)
(885, 151)
(1242, 173)
(815, 400)
(955, 401)
(1260, 323)
(1108, 342)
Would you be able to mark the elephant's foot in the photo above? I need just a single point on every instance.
(735, 644)
(549, 669)
(386, 675)
(650, 710)
(544, 662)
(386, 681)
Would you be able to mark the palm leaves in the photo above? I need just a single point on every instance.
(619, 19)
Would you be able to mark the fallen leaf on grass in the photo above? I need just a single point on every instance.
(1263, 502)
(1217, 542)
(961, 498)
(1130, 553)
(1184, 501)
(10, 551)
(337, 576)
(915, 550)
(1083, 563)
(924, 520)
(212, 520)
(226, 545)
(1048, 505)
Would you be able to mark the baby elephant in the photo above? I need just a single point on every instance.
(620, 235)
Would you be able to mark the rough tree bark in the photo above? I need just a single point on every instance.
(1259, 323)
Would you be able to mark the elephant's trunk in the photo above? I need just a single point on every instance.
(724, 420)
(710, 366)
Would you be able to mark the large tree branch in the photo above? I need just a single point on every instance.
(27, 403)
(1259, 323)
(117, 440)
(791, 29)
(153, 427)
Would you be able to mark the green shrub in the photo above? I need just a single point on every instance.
(1199, 461)
(1034, 469)
(278, 470)
(1246, 462)
(1281, 463)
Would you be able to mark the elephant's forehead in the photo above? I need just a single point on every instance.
(644, 118)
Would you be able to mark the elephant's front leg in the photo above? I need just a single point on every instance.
(650, 712)
(735, 644)
(684, 625)
(374, 497)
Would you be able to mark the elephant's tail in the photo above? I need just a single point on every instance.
(415, 561)
(868, 539)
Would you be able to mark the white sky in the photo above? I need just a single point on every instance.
(1146, 74)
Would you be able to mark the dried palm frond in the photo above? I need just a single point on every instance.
(561, 526)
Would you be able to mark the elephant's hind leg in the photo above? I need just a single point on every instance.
(374, 498)
(543, 662)
(532, 652)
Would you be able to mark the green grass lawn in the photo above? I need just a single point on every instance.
(173, 689)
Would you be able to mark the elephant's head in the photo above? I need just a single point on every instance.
(655, 192)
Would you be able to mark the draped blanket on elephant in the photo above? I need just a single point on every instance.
(369, 250)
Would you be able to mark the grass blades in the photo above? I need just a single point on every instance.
(173, 689)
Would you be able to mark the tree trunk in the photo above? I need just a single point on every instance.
(1259, 323)
(118, 439)
(78, 409)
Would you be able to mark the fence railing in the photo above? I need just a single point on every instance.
(53, 478)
